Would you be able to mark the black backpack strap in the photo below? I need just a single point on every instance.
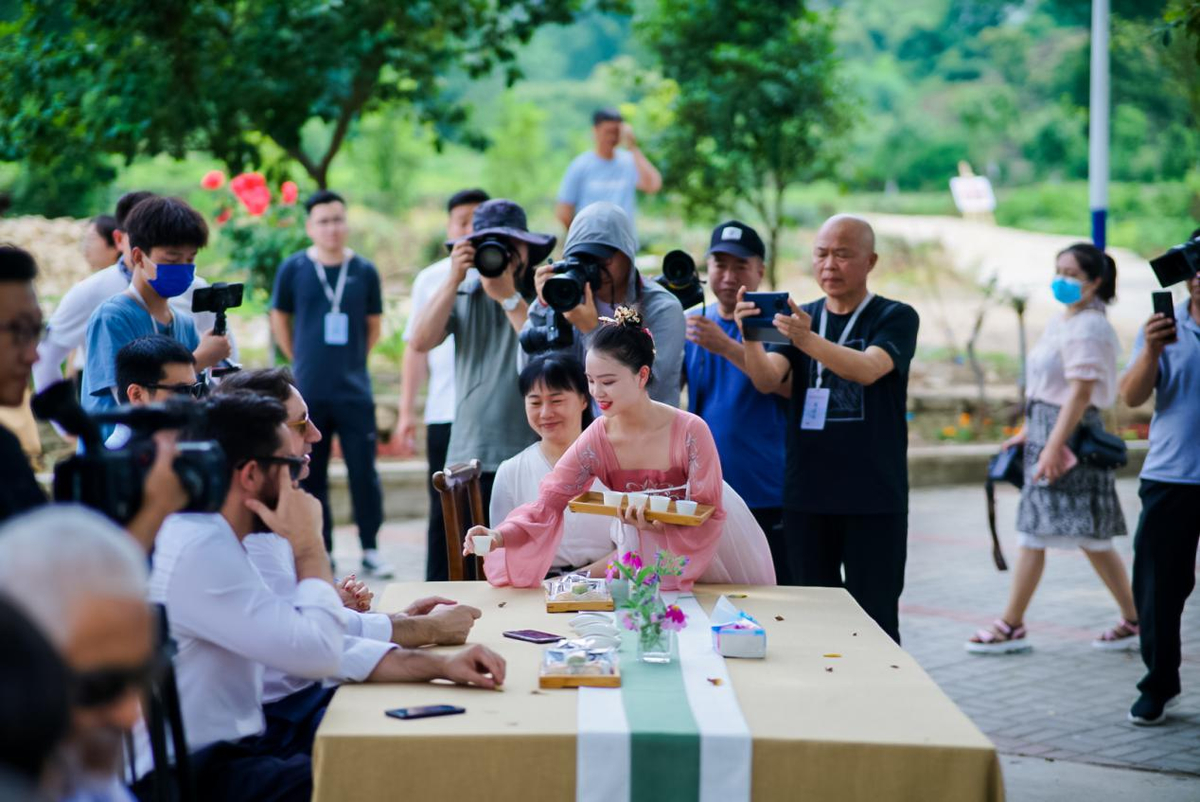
(997, 555)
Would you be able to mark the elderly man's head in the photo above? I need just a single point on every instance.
(843, 255)
(82, 580)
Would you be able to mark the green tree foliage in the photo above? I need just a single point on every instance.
(758, 107)
(229, 76)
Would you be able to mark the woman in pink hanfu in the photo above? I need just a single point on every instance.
(674, 454)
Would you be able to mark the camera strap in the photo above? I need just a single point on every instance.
(334, 295)
(845, 332)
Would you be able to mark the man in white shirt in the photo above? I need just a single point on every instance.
(438, 364)
(82, 580)
(67, 329)
(370, 652)
(225, 621)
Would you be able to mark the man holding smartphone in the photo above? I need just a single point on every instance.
(1166, 362)
(846, 482)
(748, 426)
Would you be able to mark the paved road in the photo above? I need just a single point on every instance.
(1057, 714)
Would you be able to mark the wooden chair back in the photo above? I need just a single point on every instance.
(462, 507)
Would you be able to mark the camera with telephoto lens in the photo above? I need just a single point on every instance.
(680, 278)
(110, 480)
(558, 333)
(1178, 264)
(492, 255)
(564, 290)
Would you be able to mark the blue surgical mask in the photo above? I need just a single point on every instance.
(1067, 290)
(173, 280)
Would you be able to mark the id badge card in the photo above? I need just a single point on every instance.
(816, 405)
(337, 328)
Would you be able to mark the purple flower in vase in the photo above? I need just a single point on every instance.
(674, 618)
(628, 622)
(650, 580)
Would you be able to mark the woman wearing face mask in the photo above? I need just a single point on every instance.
(559, 408)
(1071, 376)
(638, 445)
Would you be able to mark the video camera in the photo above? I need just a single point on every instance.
(680, 278)
(1178, 264)
(111, 480)
(217, 299)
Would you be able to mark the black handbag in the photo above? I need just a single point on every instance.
(1096, 447)
(1007, 466)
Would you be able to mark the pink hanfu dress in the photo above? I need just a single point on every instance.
(718, 552)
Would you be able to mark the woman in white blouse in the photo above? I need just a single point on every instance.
(559, 408)
(1071, 374)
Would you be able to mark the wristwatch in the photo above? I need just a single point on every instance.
(510, 303)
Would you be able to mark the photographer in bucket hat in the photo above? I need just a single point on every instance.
(485, 313)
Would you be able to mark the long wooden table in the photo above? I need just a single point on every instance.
(868, 725)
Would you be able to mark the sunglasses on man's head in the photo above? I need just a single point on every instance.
(294, 464)
(104, 686)
(195, 390)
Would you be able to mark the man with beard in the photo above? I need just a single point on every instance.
(99, 622)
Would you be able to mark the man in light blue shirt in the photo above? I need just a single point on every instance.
(605, 173)
(1166, 361)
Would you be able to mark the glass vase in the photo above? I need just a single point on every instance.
(655, 644)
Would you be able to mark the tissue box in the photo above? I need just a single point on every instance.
(736, 634)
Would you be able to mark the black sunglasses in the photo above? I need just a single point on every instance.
(294, 464)
(104, 686)
(195, 390)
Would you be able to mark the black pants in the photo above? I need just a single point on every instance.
(872, 550)
(770, 519)
(436, 440)
(1164, 573)
(354, 424)
(275, 766)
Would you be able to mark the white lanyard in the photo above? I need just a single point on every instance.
(133, 293)
(334, 295)
(845, 331)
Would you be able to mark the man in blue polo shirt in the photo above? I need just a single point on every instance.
(325, 314)
(1166, 361)
(749, 427)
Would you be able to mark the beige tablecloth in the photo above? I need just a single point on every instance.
(874, 728)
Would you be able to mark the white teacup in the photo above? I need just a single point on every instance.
(482, 543)
(659, 503)
(613, 498)
(685, 507)
(637, 500)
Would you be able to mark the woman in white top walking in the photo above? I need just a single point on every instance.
(1071, 374)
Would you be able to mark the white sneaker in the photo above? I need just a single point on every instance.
(375, 565)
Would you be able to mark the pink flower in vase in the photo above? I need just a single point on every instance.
(628, 622)
(632, 559)
(651, 580)
(675, 619)
(611, 572)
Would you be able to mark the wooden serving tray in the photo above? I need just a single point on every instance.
(579, 681)
(579, 606)
(592, 503)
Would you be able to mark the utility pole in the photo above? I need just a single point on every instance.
(1098, 106)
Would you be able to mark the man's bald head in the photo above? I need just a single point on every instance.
(843, 255)
(854, 226)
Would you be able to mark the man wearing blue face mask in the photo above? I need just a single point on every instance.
(164, 236)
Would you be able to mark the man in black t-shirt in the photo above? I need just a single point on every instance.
(326, 312)
(846, 370)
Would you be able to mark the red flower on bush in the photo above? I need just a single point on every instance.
(289, 192)
(213, 179)
(224, 216)
(251, 190)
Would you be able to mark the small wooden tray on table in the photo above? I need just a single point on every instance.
(580, 680)
(605, 606)
(592, 503)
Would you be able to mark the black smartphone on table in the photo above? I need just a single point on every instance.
(761, 327)
(427, 711)
(532, 636)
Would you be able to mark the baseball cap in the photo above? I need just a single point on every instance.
(737, 238)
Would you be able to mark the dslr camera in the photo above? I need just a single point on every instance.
(564, 290)
(111, 480)
(1178, 264)
(680, 278)
(492, 255)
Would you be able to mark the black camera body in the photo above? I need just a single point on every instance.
(680, 278)
(492, 255)
(1178, 264)
(565, 289)
(217, 299)
(111, 480)
(558, 333)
